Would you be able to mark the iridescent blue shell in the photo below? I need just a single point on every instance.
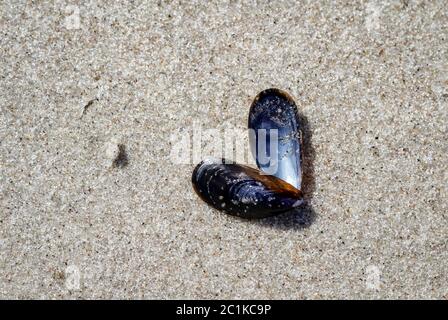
(243, 191)
(276, 136)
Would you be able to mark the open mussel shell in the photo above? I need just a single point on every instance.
(243, 191)
(275, 136)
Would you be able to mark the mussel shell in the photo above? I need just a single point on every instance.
(275, 109)
(243, 191)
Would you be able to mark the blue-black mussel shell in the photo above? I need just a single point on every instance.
(243, 191)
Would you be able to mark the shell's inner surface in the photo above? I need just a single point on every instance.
(243, 191)
(276, 136)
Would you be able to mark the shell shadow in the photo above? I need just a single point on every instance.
(303, 216)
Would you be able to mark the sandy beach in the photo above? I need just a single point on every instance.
(95, 95)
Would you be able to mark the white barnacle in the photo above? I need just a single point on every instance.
(297, 203)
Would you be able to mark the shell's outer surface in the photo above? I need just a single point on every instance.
(275, 109)
(243, 191)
